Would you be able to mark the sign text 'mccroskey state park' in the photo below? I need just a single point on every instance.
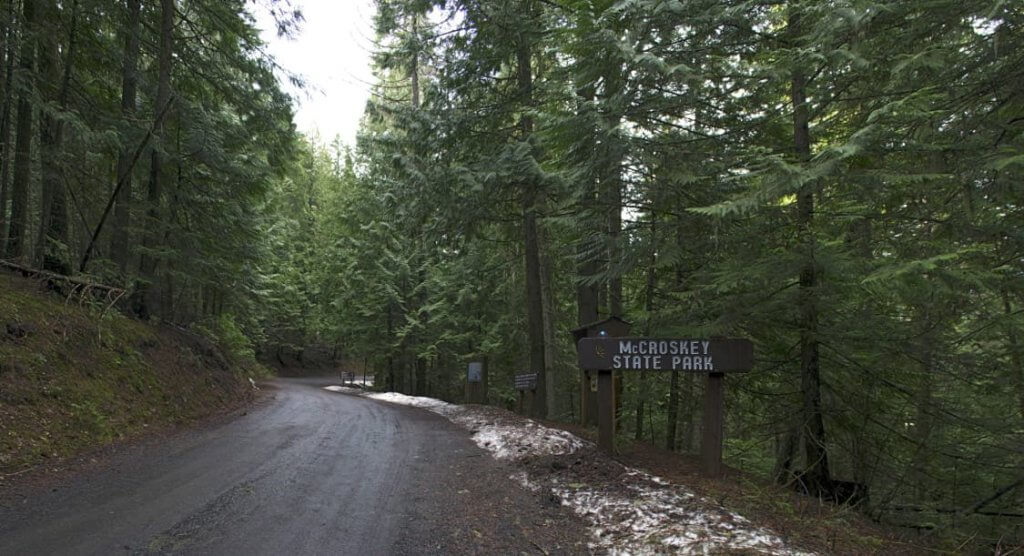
(663, 354)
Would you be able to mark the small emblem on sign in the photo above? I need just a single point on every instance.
(600, 351)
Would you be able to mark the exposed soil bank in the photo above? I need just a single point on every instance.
(74, 378)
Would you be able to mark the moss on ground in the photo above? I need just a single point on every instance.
(73, 378)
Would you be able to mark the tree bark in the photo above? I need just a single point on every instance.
(53, 222)
(611, 185)
(673, 412)
(587, 311)
(923, 420)
(18, 231)
(649, 308)
(121, 238)
(611, 188)
(690, 411)
(816, 474)
(146, 299)
(586, 294)
(547, 292)
(1014, 349)
(587, 263)
(7, 50)
(420, 375)
(534, 302)
(671, 426)
(391, 381)
(785, 453)
(421, 297)
(414, 67)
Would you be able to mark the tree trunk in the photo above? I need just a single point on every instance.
(614, 254)
(923, 420)
(419, 301)
(421, 376)
(120, 239)
(611, 187)
(421, 297)
(649, 308)
(587, 263)
(534, 302)
(7, 51)
(690, 412)
(673, 412)
(53, 221)
(816, 474)
(1014, 349)
(785, 453)
(587, 304)
(673, 390)
(146, 299)
(547, 292)
(586, 294)
(414, 66)
(391, 381)
(18, 231)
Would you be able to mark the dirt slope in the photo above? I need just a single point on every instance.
(73, 379)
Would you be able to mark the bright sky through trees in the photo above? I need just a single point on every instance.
(331, 53)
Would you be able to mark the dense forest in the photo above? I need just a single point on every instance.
(841, 181)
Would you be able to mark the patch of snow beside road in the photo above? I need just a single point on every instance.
(343, 389)
(652, 516)
(415, 401)
(504, 441)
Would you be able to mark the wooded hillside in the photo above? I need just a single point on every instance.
(839, 181)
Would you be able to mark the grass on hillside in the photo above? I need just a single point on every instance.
(74, 378)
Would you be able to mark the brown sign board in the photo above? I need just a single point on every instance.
(666, 354)
(526, 382)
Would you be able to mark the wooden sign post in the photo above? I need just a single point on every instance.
(476, 382)
(526, 385)
(712, 356)
(714, 429)
(590, 381)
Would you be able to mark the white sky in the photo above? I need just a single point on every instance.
(332, 54)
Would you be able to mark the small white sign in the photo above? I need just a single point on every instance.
(475, 372)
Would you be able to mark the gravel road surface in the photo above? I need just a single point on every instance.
(306, 471)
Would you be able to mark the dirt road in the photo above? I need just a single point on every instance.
(307, 471)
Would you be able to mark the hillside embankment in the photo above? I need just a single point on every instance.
(74, 377)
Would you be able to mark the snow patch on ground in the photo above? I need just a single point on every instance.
(516, 442)
(648, 516)
(343, 389)
(414, 401)
(502, 441)
(653, 516)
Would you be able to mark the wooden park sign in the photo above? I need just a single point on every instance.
(658, 354)
(714, 356)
